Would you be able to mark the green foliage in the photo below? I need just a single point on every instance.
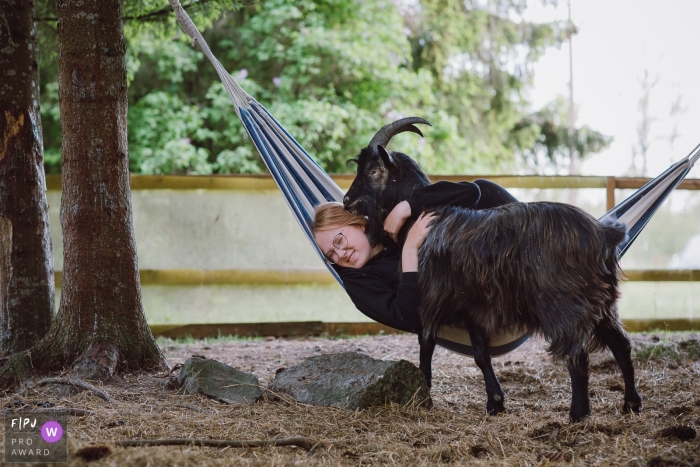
(481, 56)
(543, 138)
(159, 141)
(332, 72)
(51, 123)
(327, 71)
(48, 82)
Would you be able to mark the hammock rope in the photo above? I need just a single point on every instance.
(301, 180)
(305, 184)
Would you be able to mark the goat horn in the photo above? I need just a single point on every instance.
(387, 132)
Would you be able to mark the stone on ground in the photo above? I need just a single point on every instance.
(220, 381)
(353, 381)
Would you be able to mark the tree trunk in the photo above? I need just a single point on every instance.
(100, 326)
(26, 261)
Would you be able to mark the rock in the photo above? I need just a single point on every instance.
(220, 381)
(353, 381)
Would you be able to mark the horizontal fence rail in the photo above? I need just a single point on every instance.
(194, 277)
(265, 182)
(319, 328)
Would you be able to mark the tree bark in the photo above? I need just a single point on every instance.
(100, 326)
(26, 261)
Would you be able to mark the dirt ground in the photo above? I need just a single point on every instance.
(534, 431)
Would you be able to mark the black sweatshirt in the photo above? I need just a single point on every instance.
(375, 288)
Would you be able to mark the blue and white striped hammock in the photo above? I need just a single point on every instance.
(305, 185)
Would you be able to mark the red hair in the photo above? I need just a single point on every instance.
(333, 214)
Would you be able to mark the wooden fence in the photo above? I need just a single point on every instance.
(274, 277)
(265, 182)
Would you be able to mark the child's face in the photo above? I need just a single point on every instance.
(346, 246)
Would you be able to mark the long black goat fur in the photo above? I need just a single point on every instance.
(545, 268)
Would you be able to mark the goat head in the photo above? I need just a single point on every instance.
(384, 178)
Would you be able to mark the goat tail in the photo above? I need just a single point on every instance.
(615, 232)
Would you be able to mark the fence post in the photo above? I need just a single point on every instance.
(610, 183)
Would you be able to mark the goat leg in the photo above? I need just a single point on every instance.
(619, 344)
(578, 370)
(427, 347)
(482, 358)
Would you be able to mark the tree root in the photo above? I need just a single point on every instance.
(78, 384)
(298, 441)
(15, 369)
(97, 362)
(59, 350)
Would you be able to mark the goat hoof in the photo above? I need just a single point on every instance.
(494, 408)
(633, 405)
(578, 415)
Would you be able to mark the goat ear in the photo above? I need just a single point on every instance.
(386, 157)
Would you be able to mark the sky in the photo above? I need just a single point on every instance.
(617, 41)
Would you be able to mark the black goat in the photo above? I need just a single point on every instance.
(547, 268)
(384, 179)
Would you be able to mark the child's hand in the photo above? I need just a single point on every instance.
(396, 219)
(414, 240)
(416, 236)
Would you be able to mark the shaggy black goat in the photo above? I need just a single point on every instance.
(384, 178)
(547, 268)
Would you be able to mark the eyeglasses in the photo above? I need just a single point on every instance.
(340, 242)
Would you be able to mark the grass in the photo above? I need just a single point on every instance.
(190, 340)
(672, 346)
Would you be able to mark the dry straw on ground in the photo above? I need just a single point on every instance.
(534, 431)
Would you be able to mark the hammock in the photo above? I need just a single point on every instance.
(305, 185)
